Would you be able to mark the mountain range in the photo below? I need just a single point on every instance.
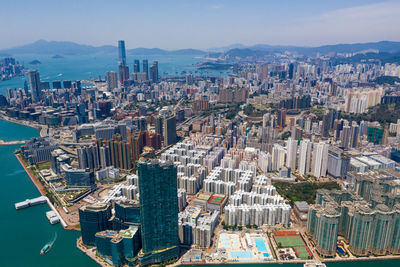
(71, 48)
(235, 50)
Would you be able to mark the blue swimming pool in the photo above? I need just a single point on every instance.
(266, 255)
(341, 251)
(260, 244)
(241, 254)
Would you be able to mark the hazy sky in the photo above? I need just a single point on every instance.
(172, 24)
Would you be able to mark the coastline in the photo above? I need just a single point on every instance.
(381, 258)
(38, 185)
(20, 122)
(40, 188)
(91, 254)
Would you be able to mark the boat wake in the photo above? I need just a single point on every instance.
(15, 172)
(49, 245)
(54, 239)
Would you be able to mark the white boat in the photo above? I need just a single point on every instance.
(314, 264)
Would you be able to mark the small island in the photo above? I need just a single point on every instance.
(57, 56)
(35, 62)
(214, 66)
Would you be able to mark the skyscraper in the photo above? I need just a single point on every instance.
(346, 136)
(325, 125)
(88, 157)
(123, 73)
(355, 132)
(146, 68)
(338, 162)
(291, 71)
(154, 72)
(304, 157)
(112, 81)
(361, 236)
(123, 69)
(281, 117)
(121, 52)
(93, 219)
(34, 83)
(169, 128)
(320, 159)
(278, 157)
(136, 66)
(158, 212)
(326, 231)
(159, 125)
(291, 153)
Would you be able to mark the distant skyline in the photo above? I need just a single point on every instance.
(199, 24)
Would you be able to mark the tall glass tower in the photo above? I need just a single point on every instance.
(94, 218)
(158, 212)
(121, 52)
(34, 83)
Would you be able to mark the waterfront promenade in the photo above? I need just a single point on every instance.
(38, 185)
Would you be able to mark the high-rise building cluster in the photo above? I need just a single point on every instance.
(144, 231)
(367, 218)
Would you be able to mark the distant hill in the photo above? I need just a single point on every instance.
(59, 48)
(263, 49)
(235, 50)
(226, 48)
(71, 48)
(383, 58)
(158, 51)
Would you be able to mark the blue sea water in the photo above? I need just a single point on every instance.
(82, 67)
(25, 232)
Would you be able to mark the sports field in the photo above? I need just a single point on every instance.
(302, 252)
(289, 241)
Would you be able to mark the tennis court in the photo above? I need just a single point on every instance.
(302, 252)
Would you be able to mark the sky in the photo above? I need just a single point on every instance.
(200, 24)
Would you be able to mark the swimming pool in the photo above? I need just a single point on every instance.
(241, 254)
(225, 244)
(260, 244)
(341, 251)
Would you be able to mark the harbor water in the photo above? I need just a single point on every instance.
(81, 67)
(26, 231)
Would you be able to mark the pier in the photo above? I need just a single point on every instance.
(9, 143)
(31, 202)
(40, 200)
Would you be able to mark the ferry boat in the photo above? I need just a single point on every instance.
(45, 249)
(48, 246)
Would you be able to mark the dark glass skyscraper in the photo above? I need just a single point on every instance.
(146, 68)
(34, 83)
(158, 211)
(93, 219)
(136, 66)
(169, 128)
(159, 125)
(121, 52)
(154, 72)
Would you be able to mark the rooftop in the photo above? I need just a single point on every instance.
(216, 199)
(302, 205)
